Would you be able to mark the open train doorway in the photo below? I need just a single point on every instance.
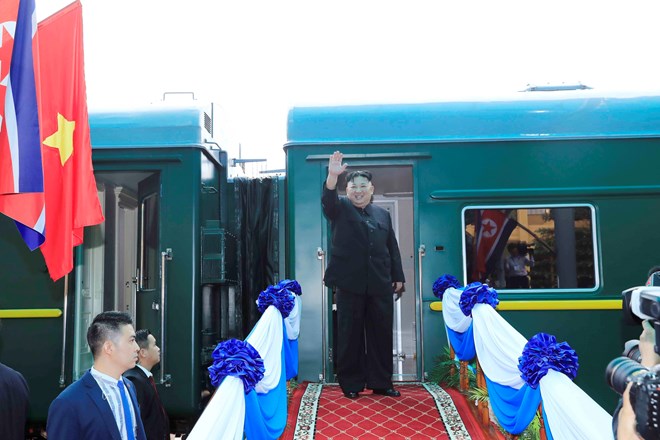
(117, 267)
(393, 191)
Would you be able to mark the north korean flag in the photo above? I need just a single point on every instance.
(493, 229)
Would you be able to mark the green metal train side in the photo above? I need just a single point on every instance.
(576, 149)
(191, 176)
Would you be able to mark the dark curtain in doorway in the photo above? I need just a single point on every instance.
(258, 231)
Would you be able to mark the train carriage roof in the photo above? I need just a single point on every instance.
(150, 127)
(551, 115)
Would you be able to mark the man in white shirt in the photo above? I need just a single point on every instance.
(101, 405)
(516, 264)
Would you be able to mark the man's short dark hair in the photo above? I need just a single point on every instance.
(142, 337)
(358, 173)
(106, 325)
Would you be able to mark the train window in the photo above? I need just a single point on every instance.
(536, 247)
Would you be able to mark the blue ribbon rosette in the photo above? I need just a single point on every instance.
(283, 299)
(237, 358)
(443, 283)
(542, 353)
(291, 285)
(477, 293)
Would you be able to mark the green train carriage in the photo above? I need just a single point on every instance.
(575, 169)
(167, 253)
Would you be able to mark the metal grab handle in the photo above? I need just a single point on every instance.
(140, 269)
(421, 252)
(164, 257)
(320, 254)
(62, 381)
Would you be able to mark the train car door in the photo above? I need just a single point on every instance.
(148, 270)
(118, 265)
(393, 186)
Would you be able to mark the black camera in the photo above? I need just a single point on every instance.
(644, 393)
(640, 303)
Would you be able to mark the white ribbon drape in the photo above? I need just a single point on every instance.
(266, 338)
(571, 413)
(292, 322)
(224, 416)
(498, 346)
(452, 313)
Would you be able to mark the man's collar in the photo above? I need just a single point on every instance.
(102, 376)
(144, 370)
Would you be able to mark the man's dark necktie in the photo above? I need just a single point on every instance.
(128, 418)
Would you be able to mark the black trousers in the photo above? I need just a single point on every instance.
(364, 341)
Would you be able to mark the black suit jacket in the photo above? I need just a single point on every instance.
(155, 419)
(14, 397)
(364, 255)
(81, 412)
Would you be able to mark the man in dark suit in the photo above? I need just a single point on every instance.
(14, 398)
(101, 405)
(154, 416)
(365, 269)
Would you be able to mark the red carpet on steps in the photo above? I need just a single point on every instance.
(422, 412)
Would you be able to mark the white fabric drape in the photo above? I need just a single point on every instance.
(498, 346)
(292, 322)
(452, 313)
(571, 413)
(266, 338)
(224, 416)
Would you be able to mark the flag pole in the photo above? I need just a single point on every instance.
(65, 311)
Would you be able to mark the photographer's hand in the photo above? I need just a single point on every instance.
(626, 429)
(647, 346)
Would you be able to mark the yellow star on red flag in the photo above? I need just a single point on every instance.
(62, 139)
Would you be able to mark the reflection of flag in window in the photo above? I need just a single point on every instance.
(493, 228)
(21, 177)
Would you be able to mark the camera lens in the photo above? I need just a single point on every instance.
(620, 371)
(631, 350)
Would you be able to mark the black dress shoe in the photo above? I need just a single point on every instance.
(389, 392)
(352, 395)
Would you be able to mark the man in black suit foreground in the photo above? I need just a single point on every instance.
(14, 397)
(365, 268)
(154, 417)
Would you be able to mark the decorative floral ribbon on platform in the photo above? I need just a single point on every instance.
(477, 293)
(542, 353)
(443, 283)
(291, 285)
(237, 358)
(279, 296)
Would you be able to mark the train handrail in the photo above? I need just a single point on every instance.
(421, 252)
(62, 380)
(165, 256)
(320, 255)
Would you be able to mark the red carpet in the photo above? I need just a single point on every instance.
(424, 411)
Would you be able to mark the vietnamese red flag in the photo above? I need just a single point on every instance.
(69, 185)
(493, 230)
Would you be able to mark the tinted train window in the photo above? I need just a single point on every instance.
(530, 248)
